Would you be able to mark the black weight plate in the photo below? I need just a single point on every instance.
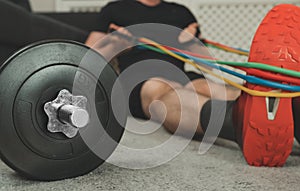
(34, 76)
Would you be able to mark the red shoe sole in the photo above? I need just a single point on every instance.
(266, 141)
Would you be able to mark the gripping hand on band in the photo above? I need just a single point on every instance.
(189, 33)
(108, 45)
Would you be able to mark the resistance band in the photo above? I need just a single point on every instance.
(191, 62)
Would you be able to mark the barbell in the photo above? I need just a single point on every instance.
(50, 97)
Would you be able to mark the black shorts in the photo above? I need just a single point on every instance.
(135, 103)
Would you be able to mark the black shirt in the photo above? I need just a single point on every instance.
(131, 12)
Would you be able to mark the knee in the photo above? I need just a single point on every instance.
(190, 86)
(199, 85)
(160, 108)
(165, 102)
(150, 90)
(232, 93)
(155, 88)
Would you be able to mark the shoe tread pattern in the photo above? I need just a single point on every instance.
(277, 42)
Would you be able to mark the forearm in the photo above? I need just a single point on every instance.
(197, 47)
(108, 52)
(107, 45)
(94, 39)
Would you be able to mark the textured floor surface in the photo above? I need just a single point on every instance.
(221, 168)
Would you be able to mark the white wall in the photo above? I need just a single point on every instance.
(43, 5)
(232, 22)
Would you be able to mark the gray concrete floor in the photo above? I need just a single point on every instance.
(221, 168)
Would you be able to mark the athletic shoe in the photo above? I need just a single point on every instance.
(265, 125)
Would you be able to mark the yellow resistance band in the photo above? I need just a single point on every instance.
(243, 88)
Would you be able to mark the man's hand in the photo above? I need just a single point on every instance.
(100, 39)
(120, 29)
(93, 38)
(109, 45)
(188, 33)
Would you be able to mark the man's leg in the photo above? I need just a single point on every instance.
(213, 90)
(176, 106)
(180, 107)
(154, 89)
